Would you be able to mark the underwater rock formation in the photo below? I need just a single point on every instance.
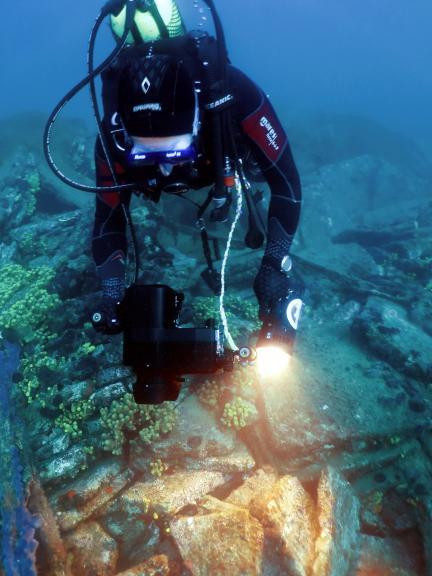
(339, 525)
(389, 334)
(324, 472)
(286, 511)
(93, 550)
(53, 559)
(221, 537)
(18, 525)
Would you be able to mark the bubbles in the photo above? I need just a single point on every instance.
(202, 13)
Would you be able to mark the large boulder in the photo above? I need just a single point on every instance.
(286, 511)
(321, 139)
(388, 333)
(94, 552)
(221, 539)
(84, 497)
(339, 526)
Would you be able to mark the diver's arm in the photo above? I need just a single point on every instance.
(109, 241)
(271, 149)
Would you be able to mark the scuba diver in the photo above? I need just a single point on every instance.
(175, 119)
(177, 115)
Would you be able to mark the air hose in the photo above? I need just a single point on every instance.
(222, 313)
(106, 10)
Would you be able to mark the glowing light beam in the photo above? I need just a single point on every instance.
(271, 361)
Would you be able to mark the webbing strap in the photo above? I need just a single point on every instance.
(210, 273)
(206, 248)
(136, 34)
(204, 206)
(163, 30)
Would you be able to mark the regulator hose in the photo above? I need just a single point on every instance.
(255, 236)
(106, 10)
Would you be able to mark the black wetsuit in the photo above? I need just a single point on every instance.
(254, 119)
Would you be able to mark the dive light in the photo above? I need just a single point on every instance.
(276, 338)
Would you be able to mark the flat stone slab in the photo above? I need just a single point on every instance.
(335, 395)
(390, 335)
(82, 498)
(172, 492)
(221, 539)
(339, 526)
(196, 435)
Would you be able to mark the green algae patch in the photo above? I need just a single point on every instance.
(124, 418)
(71, 419)
(239, 413)
(242, 313)
(26, 303)
(33, 182)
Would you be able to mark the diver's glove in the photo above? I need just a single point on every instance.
(280, 303)
(274, 277)
(279, 295)
(106, 319)
(272, 283)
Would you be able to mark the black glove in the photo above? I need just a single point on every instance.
(273, 281)
(280, 300)
(106, 320)
(270, 286)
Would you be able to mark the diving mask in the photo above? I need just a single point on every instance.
(147, 151)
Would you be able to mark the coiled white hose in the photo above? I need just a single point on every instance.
(222, 313)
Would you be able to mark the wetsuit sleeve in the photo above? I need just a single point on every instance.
(259, 123)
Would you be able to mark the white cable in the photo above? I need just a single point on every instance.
(228, 336)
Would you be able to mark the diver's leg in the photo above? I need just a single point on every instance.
(109, 242)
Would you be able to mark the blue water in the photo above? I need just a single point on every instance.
(363, 57)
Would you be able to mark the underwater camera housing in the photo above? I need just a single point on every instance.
(158, 350)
